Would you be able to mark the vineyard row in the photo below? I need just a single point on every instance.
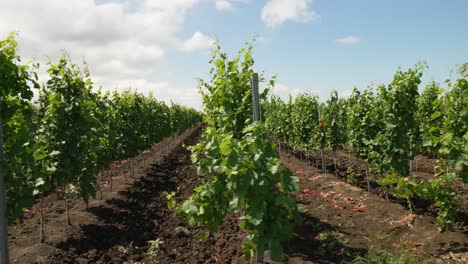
(386, 128)
(71, 133)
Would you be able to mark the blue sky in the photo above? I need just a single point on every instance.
(163, 46)
(306, 56)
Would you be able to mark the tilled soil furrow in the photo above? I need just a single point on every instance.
(339, 220)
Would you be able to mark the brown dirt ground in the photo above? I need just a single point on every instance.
(339, 220)
(360, 219)
(339, 162)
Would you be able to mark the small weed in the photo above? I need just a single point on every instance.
(153, 250)
(129, 249)
(171, 203)
(351, 176)
(375, 256)
(329, 243)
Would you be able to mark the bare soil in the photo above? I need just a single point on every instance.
(340, 220)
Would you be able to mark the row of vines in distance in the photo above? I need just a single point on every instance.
(386, 127)
(72, 132)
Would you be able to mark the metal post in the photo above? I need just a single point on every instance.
(3, 214)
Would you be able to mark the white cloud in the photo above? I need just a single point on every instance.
(284, 91)
(224, 5)
(265, 40)
(121, 40)
(345, 93)
(163, 91)
(197, 41)
(276, 12)
(349, 40)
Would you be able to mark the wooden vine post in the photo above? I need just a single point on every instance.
(255, 98)
(322, 156)
(3, 213)
(256, 117)
(410, 157)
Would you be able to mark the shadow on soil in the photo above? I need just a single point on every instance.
(133, 218)
(319, 242)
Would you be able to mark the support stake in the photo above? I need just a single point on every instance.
(255, 98)
(4, 258)
(256, 117)
(65, 198)
(41, 227)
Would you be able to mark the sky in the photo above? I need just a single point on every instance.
(312, 46)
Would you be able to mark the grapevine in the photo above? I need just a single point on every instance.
(244, 173)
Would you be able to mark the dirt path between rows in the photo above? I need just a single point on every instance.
(339, 220)
(357, 219)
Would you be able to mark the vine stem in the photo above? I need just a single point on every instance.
(66, 205)
(410, 205)
(100, 185)
(259, 257)
(110, 179)
(323, 160)
(336, 163)
(132, 168)
(41, 227)
(368, 182)
(125, 174)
